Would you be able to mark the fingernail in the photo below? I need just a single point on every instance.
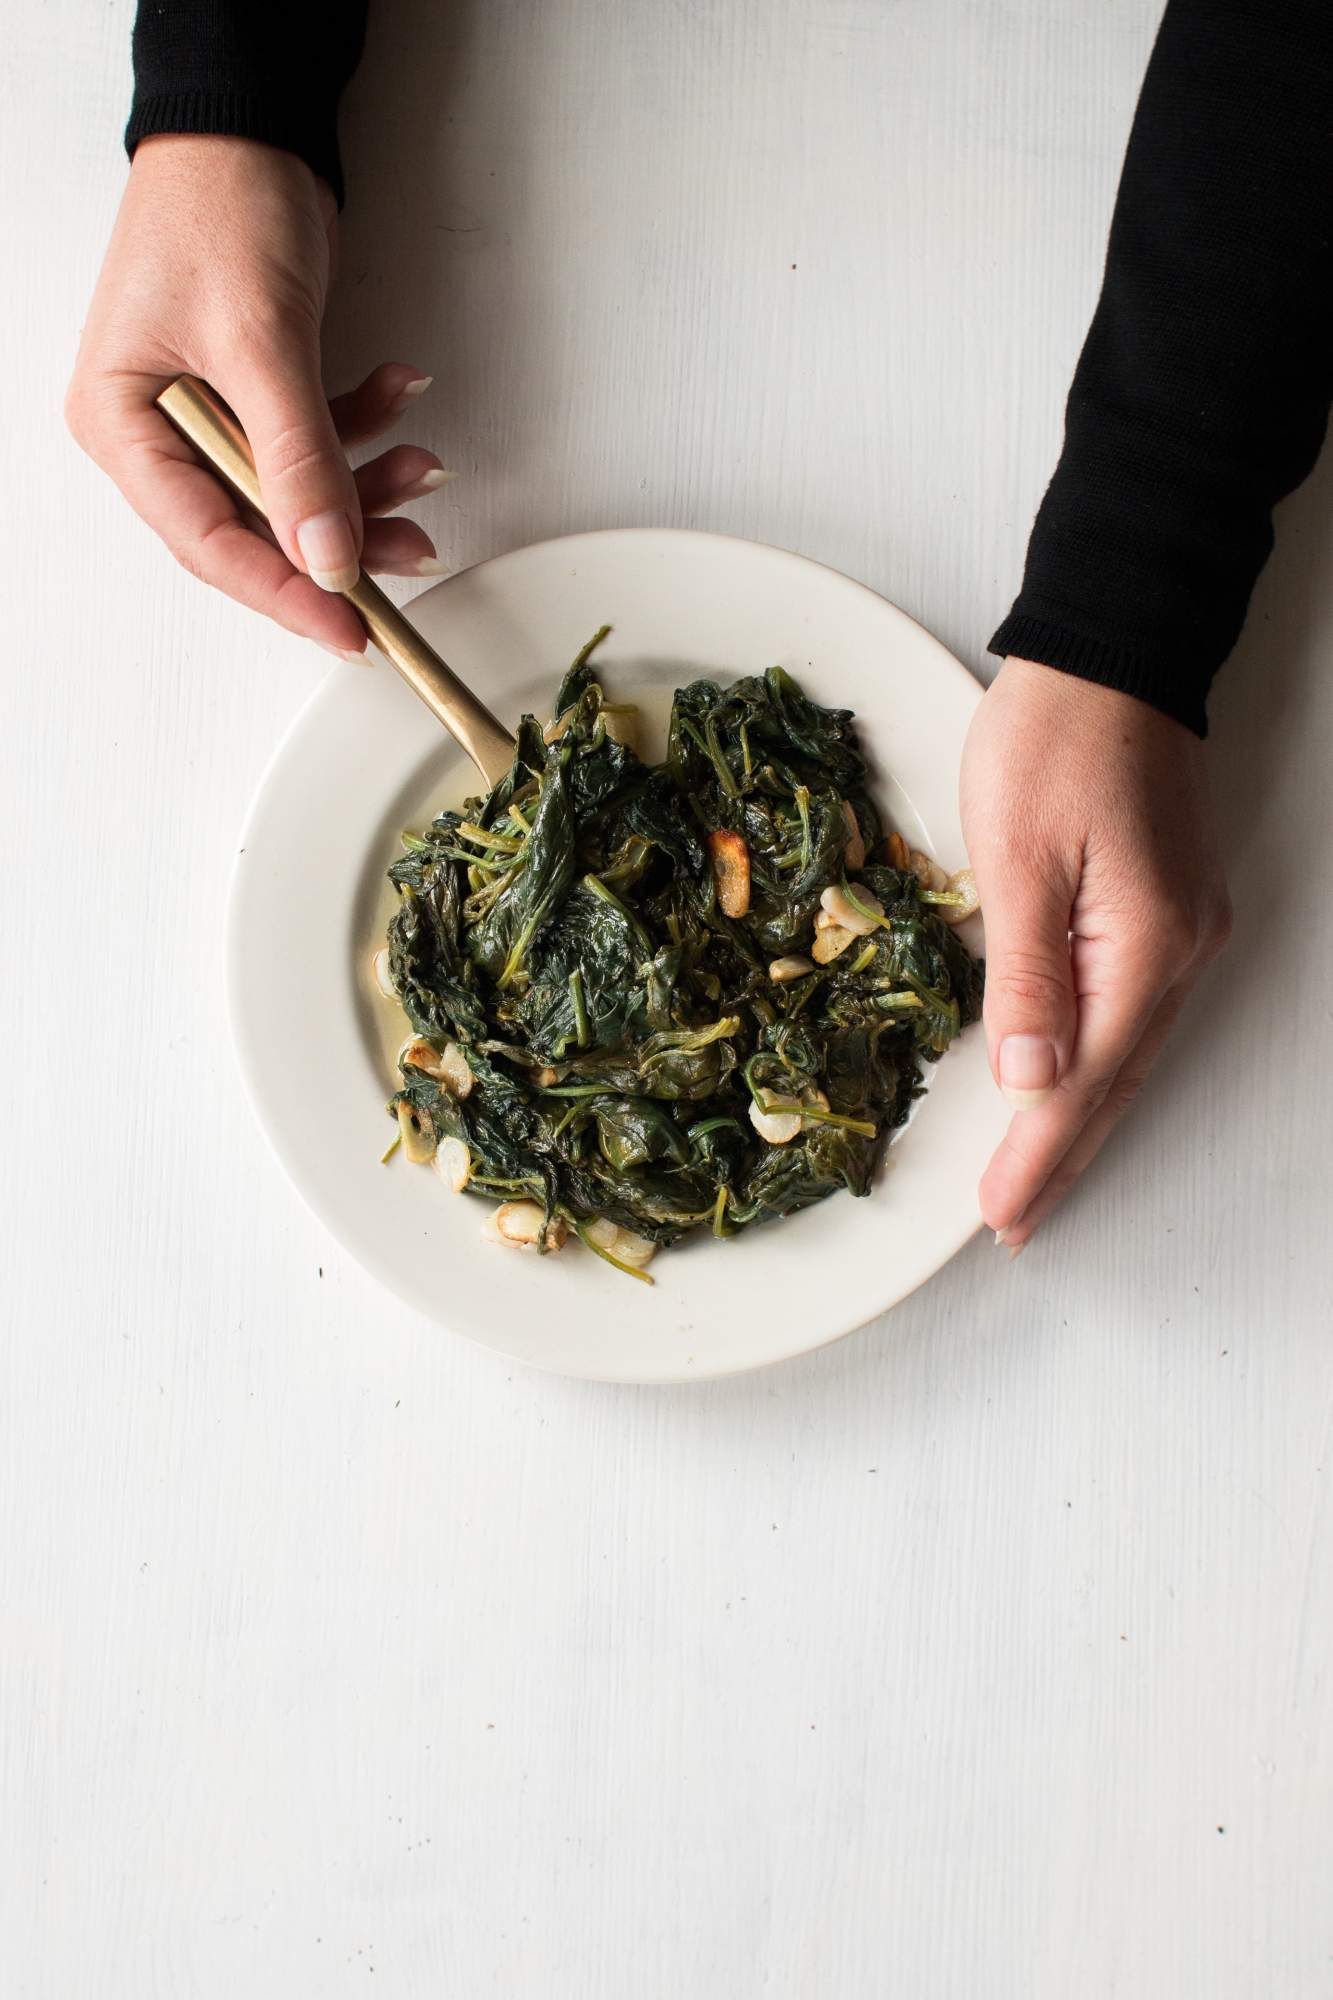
(1017, 1249)
(1000, 1235)
(410, 391)
(352, 659)
(1027, 1070)
(328, 550)
(437, 476)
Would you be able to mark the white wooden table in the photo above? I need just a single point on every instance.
(985, 1655)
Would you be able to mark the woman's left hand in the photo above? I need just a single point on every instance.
(1089, 830)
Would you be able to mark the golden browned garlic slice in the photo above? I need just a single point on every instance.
(730, 859)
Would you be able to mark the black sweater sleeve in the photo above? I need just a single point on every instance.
(1202, 393)
(251, 70)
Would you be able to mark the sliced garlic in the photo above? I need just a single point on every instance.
(518, 1225)
(417, 1134)
(831, 942)
(928, 873)
(455, 1070)
(779, 1120)
(379, 970)
(626, 1244)
(418, 1053)
(899, 853)
(963, 884)
(794, 967)
(845, 914)
(448, 1066)
(453, 1164)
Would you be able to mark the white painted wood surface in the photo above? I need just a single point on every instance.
(985, 1655)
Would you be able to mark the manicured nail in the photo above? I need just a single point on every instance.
(352, 659)
(1027, 1070)
(328, 550)
(1000, 1235)
(429, 482)
(417, 386)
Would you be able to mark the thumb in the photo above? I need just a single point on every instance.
(309, 493)
(1029, 1008)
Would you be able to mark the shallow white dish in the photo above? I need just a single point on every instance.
(365, 758)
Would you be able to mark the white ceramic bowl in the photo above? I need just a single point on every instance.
(364, 759)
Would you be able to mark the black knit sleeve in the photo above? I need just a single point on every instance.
(1202, 393)
(253, 71)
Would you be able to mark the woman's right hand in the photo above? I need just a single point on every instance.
(219, 266)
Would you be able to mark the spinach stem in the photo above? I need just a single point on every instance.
(877, 917)
(469, 830)
(581, 1231)
(596, 887)
(812, 1115)
(713, 1125)
(603, 632)
(565, 1118)
(803, 808)
(581, 1090)
(580, 1006)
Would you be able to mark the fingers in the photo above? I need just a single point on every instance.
(183, 503)
(167, 487)
(1119, 990)
(404, 473)
(400, 548)
(369, 409)
(1029, 1007)
(316, 505)
(309, 494)
(1124, 1089)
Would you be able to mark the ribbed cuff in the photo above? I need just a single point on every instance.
(1127, 668)
(238, 114)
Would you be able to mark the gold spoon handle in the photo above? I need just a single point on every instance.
(204, 420)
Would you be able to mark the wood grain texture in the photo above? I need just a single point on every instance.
(985, 1655)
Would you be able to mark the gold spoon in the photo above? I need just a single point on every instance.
(204, 420)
